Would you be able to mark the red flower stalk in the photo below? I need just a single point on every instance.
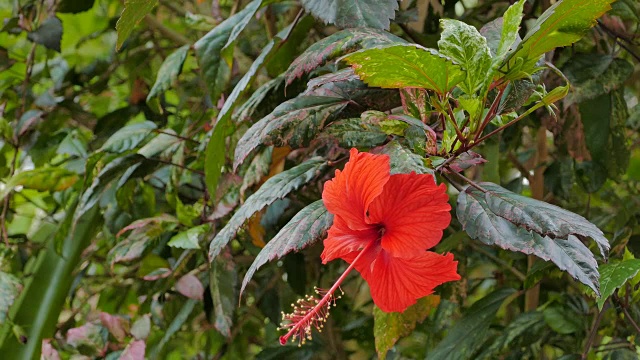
(383, 224)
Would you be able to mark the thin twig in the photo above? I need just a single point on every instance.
(177, 136)
(455, 184)
(178, 165)
(593, 332)
(469, 181)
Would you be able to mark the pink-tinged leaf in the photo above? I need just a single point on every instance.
(134, 351)
(88, 337)
(48, 351)
(465, 161)
(116, 325)
(156, 274)
(138, 224)
(191, 287)
(336, 45)
(352, 14)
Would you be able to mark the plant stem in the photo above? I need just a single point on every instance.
(593, 332)
(469, 181)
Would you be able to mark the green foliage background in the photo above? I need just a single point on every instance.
(158, 159)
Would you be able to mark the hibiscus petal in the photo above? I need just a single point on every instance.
(413, 210)
(396, 283)
(342, 241)
(349, 194)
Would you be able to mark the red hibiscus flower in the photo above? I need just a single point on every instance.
(383, 224)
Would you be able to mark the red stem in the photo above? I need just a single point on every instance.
(326, 298)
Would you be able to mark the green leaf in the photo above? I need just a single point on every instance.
(165, 143)
(214, 157)
(401, 66)
(502, 33)
(175, 326)
(468, 334)
(273, 189)
(464, 44)
(259, 103)
(307, 226)
(189, 239)
(168, 72)
(244, 83)
(42, 179)
(564, 23)
(592, 75)
(354, 132)
(615, 275)
(74, 6)
(128, 137)
(528, 324)
(336, 45)
(402, 160)
(134, 11)
(48, 34)
(10, 288)
(215, 49)
(223, 281)
(518, 223)
(295, 123)
(388, 328)
(603, 119)
(562, 320)
(352, 14)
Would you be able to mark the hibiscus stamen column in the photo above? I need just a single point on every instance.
(310, 312)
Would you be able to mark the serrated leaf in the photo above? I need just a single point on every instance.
(464, 44)
(128, 137)
(48, 34)
(10, 288)
(165, 142)
(468, 334)
(526, 324)
(502, 34)
(615, 275)
(134, 11)
(223, 279)
(518, 223)
(336, 45)
(215, 49)
(564, 23)
(402, 160)
(273, 189)
(307, 226)
(354, 133)
(214, 156)
(169, 71)
(351, 14)
(42, 179)
(190, 238)
(402, 66)
(258, 100)
(295, 123)
(388, 328)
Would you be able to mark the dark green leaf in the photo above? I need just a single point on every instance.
(215, 49)
(307, 226)
(526, 324)
(402, 66)
(615, 275)
(352, 14)
(174, 327)
(294, 123)
(215, 155)
(336, 45)
(354, 133)
(518, 223)
(223, 281)
(468, 334)
(564, 23)
(592, 75)
(49, 34)
(168, 72)
(74, 6)
(464, 44)
(257, 103)
(273, 189)
(10, 288)
(403, 161)
(129, 137)
(562, 320)
(134, 11)
(388, 328)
